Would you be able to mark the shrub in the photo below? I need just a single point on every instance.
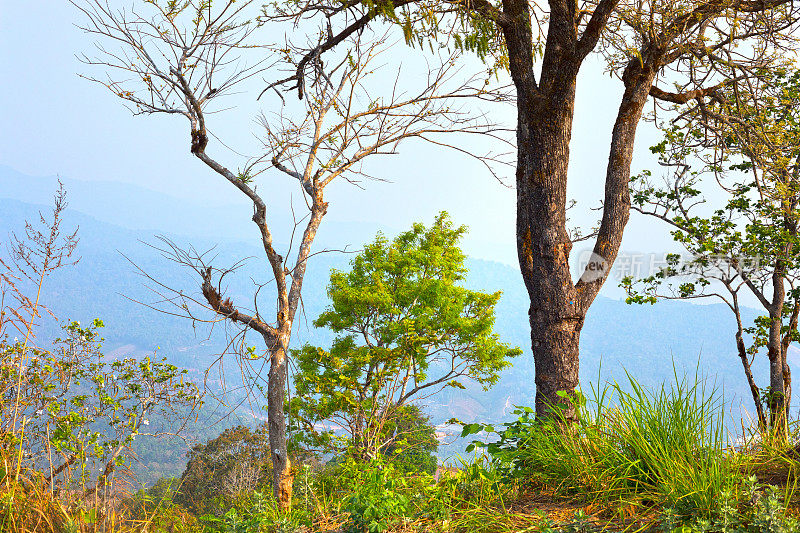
(146, 501)
(377, 499)
(748, 509)
(68, 418)
(412, 443)
(235, 463)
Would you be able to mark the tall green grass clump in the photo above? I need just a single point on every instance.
(627, 445)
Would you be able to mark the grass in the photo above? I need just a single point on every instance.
(636, 446)
(635, 459)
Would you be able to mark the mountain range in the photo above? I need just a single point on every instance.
(118, 228)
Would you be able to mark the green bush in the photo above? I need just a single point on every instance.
(146, 501)
(377, 498)
(234, 464)
(257, 512)
(412, 443)
(747, 509)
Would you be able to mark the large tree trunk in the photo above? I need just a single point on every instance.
(543, 247)
(558, 305)
(544, 130)
(282, 475)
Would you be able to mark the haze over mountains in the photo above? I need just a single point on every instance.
(114, 218)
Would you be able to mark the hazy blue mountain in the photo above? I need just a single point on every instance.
(646, 341)
(122, 204)
(147, 211)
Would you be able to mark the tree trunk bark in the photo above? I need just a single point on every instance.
(558, 305)
(777, 379)
(787, 387)
(776, 354)
(543, 247)
(282, 474)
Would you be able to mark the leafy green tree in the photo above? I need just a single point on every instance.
(234, 463)
(743, 147)
(405, 330)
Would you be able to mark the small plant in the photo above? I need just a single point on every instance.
(747, 509)
(768, 515)
(377, 499)
(254, 513)
(580, 523)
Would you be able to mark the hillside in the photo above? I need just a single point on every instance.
(645, 341)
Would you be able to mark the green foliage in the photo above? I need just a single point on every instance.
(742, 149)
(68, 415)
(427, 24)
(405, 327)
(235, 463)
(165, 455)
(156, 500)
(746, 509)
(253, 514)
(257, 511)
(357, 496)
(80, 410)
(377, 500)
(665, 446)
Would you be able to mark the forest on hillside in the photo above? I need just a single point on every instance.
(292, 382)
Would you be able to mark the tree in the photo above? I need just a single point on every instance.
(405, 331)
(179, 59)
(647, 44)
(742, 145)
(236, 462)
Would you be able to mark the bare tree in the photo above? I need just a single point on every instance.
(178, 59)
(543, 45)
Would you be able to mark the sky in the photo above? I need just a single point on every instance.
(56, 123)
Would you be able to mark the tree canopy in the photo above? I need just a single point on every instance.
(236, 462)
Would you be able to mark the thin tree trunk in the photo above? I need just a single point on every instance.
(282, 475)
(791, 333)
(775, 353)
(787, 385)
(754, 390)
(777, 383)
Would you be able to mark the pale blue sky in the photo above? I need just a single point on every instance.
(54, 122)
